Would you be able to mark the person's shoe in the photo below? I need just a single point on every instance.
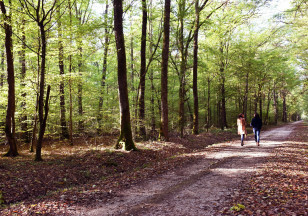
(242, 144)
(258, 144)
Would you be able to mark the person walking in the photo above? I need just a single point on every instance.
(241, 127)
(256, 124)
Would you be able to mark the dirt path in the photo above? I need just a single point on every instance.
(197, 189)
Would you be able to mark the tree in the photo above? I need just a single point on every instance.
(42, 17)
(142, 130)
(64, 130)
(10, 114)
(104, 71)
(164, 133)
(125, 139)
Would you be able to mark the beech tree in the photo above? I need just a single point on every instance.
(10, 114)
(125, 138)
(164, 131)
(42, 17)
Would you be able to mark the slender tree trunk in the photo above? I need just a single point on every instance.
(195, 71)
(24, 117)
(256, 103)
(142, 130)
(182, 71)
(268, 105)
(64, 130)
(80, 107)
(70, 78)
(153, 126)
(260, 100)
(38, 156)
(42, 127)
(275, 106)
(181, 106)
(10, 114)
(245, 102)
(223, 114)
(208, 120)
(2, 72)
(164, 133)
(104, 71)
(125, 138)
(34, 130)
(284, 107)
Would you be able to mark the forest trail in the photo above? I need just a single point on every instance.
(197, 189)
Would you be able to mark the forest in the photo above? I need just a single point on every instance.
(98, 97)
(145, 69)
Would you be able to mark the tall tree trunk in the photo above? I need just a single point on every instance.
(153, 126)
(10, 114)
(223, 113)
(164, 133)
(104, 71)
(260, 100)
(142, 130)
(34, 130)
(245, 102)
(256, 103)
(80, 107)
(284, 107)
(64, 130)
(275, 106)
(195, 71)
(70, 77)
(208, 120)
(125, 138)
(42, 127)
(2, 72)
(183, 56)
(24, 126)
(38, 156)
(267, 107)
(223, 105)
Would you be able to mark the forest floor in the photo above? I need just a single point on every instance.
(207, 174)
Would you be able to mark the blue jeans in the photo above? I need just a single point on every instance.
(257, 134)
(242, 138)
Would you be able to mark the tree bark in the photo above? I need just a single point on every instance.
(38, 156)
(70, 77)
(125, 138)
(223, 113)
(284, 107)
(245, 102)
(266, 121)
(24, 125)
(260, 100)
(195, 71)
(104, 71)
(153, 125)
(42, 127)
(164, 133)
(79, 86)
(10, 114)
(208, 120)
(142, 130)
(2, 72)
(275, 106)
(64, 130)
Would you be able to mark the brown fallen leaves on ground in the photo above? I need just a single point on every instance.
(280, 187)
(89, 171)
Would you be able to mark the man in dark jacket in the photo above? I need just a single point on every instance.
(256, 123)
